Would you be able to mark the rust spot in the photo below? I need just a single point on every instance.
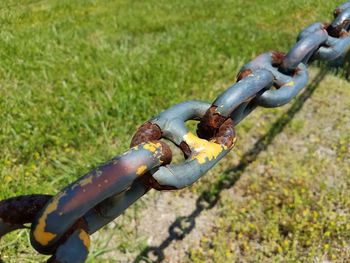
(277, 58)
(244, 73)
(147, 132)
(167, 154)
(185, 149)
(226, 134)
(150, 182)
(210, 123)
(337, 11)
(343, 34)
(217, 130)
(325, 25)
(147, 180)
(339, 30)
(334, 31)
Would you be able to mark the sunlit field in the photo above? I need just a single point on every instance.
(78, 77)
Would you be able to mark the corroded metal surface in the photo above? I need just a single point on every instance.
(341, 20)
(61, 225)
(20, 210)
(73, 202)
(201, 154)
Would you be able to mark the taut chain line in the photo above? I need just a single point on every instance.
(61, 225)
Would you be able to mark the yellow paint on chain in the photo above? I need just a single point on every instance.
(141, 169)
(289, 84)
(152, 147)
(40, 235)
(203, 150)
(85, 181)
(85, 238)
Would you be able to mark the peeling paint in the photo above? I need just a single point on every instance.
(39, 233)
(152, 147)
(86, 181)
(141, 170)
(203, 150)
(289, 84)
(85, 238)
(285, 70)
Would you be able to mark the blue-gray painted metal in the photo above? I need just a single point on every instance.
(289, 86)
(342, 19)
(172, 124)
(77, 199)
(172, 121)
(114, 206)
(73, 250)
(238, 100)
(344, 6)
(303, 50)
(334, 50)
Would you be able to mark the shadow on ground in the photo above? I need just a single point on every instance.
(182, 226)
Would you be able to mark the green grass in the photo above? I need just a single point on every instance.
(78, 77)
(290, 204)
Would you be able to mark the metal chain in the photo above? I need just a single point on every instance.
(61, 224)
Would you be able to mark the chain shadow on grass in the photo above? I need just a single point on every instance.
(182, 226)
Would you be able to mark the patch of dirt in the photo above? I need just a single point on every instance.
(158, 221)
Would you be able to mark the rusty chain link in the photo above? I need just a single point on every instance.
(61, 225)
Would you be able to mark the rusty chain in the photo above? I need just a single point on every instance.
(61, 225)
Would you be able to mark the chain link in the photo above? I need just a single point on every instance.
(61, 224)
